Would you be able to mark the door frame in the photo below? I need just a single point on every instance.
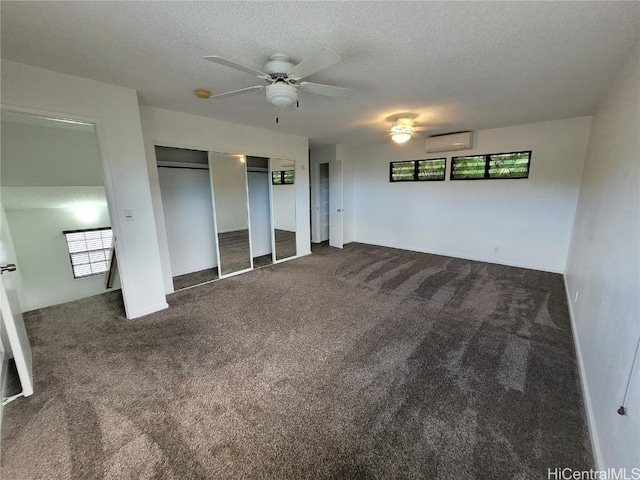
(107, 178)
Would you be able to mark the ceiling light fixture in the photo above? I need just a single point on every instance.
(282, 94)
(401, 130)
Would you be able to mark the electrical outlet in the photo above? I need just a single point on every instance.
(575, 297)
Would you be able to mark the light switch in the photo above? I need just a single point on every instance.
(128, 214)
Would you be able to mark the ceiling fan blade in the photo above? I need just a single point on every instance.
(421, 129)
(326, 90)
(237, 66)
(321, 60)
(237, 92)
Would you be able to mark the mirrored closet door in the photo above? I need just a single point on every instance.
(225, 213)
(231, 212)
(283, 195)
(258, 182)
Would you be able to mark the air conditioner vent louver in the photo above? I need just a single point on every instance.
(449, 142)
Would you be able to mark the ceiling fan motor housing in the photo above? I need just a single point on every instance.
(282, 94)
(278, 65)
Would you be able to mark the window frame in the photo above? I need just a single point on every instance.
(416, 168)
(107, 256)
(487, 164)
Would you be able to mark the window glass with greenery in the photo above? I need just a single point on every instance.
(432, 169)
(287, 177)
(283, 177)
(402, 171)
(418, 170)
(490, 166)
(509, 165)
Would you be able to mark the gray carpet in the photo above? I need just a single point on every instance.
(235, 253)
(285, 244)
(365, 363)
(210, 274)
(195, 278)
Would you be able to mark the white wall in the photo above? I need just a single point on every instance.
(188, 216)
(174, 129)
(43, 257)
(34, 155)
(603, 266)
(527, 220)
(115, 112)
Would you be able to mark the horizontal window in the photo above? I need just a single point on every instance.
(283, 177)
(490, 166)
(418, 170)
(89, 251)
(432, 169)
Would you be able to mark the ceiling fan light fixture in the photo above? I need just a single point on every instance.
(401, 131)
(282, 94)
(401, 137)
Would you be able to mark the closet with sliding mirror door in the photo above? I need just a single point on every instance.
(185, 190)
(225, 213)
(231, 212)
(283, 200)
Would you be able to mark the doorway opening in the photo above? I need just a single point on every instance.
(55, 214)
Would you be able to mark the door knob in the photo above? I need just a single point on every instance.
(9, 267)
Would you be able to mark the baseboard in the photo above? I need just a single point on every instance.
(591, 424)
(148, 311)
(465, 257)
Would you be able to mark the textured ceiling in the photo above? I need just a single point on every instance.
(16, 198)
(457, 65)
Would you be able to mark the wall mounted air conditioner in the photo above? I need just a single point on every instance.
(449, 142)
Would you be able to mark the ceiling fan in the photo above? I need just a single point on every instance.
(282, 78)
(402, 127)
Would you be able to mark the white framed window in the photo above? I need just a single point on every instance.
(89, 250)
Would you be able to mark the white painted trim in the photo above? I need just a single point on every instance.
(591, 423)
(271, 214)
(148, 311)
(215, 220)
(197, 166)
(107, 180)
(246, 196)
(4, 364)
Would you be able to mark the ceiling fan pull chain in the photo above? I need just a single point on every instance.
(277, 119)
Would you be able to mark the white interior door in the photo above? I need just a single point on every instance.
(324, 202)
(336, 238)
(11, 322)
(260, 213)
